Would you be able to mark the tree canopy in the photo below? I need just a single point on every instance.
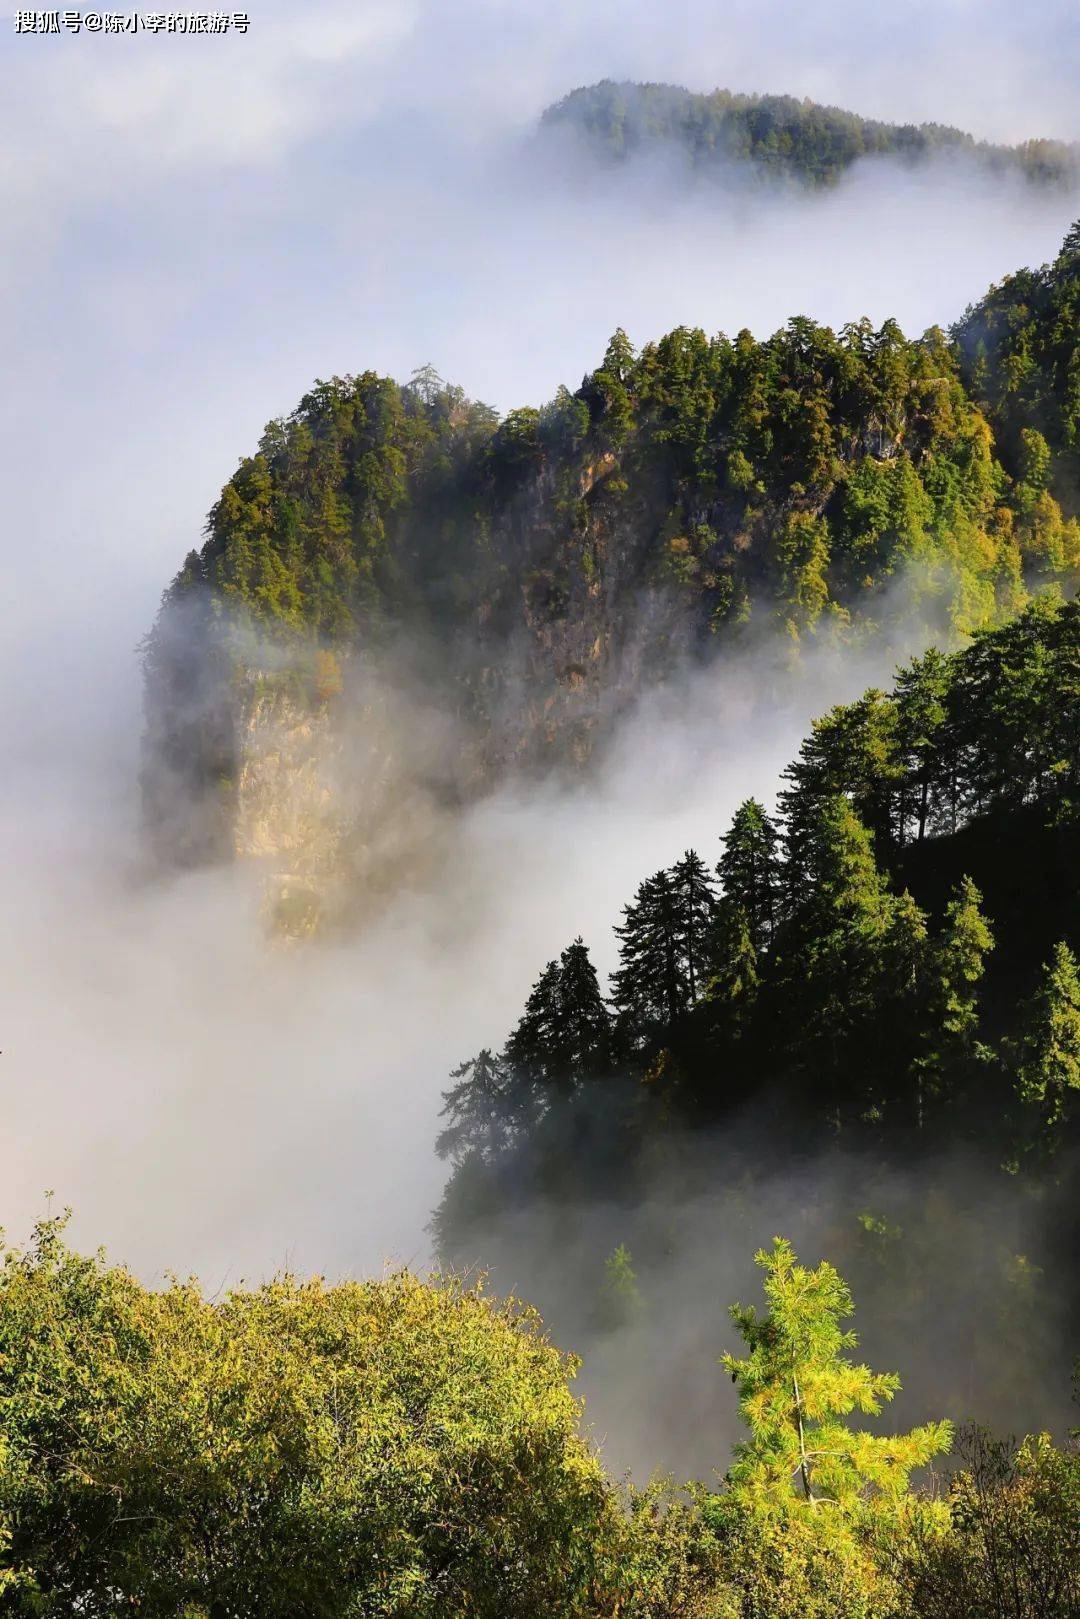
(777, 136)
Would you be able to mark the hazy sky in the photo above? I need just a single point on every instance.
(194, 229)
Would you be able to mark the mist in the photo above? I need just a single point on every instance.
(210, 1097)
(194, 237)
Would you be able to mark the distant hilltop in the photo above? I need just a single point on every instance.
(779, 136)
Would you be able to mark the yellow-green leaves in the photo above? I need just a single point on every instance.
(796, 1384)
(401, 1447)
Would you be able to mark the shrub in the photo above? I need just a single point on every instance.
(400, 1447)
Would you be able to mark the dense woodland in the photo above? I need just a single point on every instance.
(889, 960)
(778, 136)
(798, 473)
(543, 568)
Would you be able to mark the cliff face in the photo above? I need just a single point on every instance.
(337, 789)
(289, 813)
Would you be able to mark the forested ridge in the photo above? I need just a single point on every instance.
(889, 960)
(778, 135)
(554, 562)
(801, 471)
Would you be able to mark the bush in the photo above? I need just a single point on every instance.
(1012, 1550)
(399, 1448)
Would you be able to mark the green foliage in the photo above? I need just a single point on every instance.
(478, 1110)
(565, 1029)
(651, 987)
(1020, 360)
(406, 1449)
(795, 477)
(777, 135)
(735, 977)
(849, 976)
(955, 966)
(391, 1448)
(749, 870)
(1048, 1072)
(803, 558)
(620, 1296)
(796, 1384)
(1012, 1546)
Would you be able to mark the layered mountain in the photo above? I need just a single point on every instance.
(396, 561)
(780, 137)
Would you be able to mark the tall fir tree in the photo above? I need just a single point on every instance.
(695, 902)
(649, 987)
(832, 955)
(1048, 1076)
(921, 711)
(735, 972)
(529, 1053)
(951, 1051)
(478, 1111)
(749, 870)
(583, 1035)
(564, 1034)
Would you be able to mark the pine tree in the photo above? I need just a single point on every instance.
(796, 1385)
(620, 1296)
(1049, 1069)
(695, 902)
(901, 997)
(833, 958)
(956, 966)
(649, 987)
(749, 870)
(529, 1052)
(564, 1033)
(852, 751)
(735, 976)
(478, 1110)
(583, 1029)
(607, 392)
(921, 690)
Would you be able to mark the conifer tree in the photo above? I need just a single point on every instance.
(749, 870)
(796, 1385)
(607, 391)
(478, 1111)
(735, 975)
(833, 957)
(583, 1030)
(852, 750)
(1049, 1070)
(950, 1034)
(921, 690)
(530, 1049)
(695, 902)
(563, 1034)
(620, 1296)
(902, 996)
(649, 986)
